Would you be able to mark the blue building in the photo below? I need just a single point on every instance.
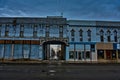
(55, 37)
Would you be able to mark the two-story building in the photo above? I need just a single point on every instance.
(55, 37)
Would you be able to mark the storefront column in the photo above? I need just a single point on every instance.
(22, 50)
(12, 51)
(3, 52)
(84, 52)
(41, 52)
(105, 54)
(30, 51)
(67, 53)
(117, 55)
(74, 52)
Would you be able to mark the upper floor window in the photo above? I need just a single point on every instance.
(47, 28)
(108, 33)
(81, 39)
(101, 35)
(47, 31)
(6, 30)
(115, 35)
(0, 29)
(101, 32)
(89, 32)
(35, 27)
(61, 28)
(72, 32)
(61, 31)
(35, 31)
(21, 27)
(21, 30)
(81, 32)
(7, 27)
(108, 36)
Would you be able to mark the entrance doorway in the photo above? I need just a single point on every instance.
(54, 50)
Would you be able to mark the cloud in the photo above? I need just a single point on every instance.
(72, 9)
(6, 12)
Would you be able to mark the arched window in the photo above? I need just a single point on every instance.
(89, 34)
(81, 34)
(101, 35)
(72, 34)
(108, 36)
(115, 35)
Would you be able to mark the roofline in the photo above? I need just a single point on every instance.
(93, 20)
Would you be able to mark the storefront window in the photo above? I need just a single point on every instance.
(18, 51)
(100, 54)
(88, 54)
(119, 54)
(71, 54)
(79, 55)
(113, 54)
(1, 50)
(8, 49)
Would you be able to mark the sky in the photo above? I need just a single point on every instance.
(71, 9)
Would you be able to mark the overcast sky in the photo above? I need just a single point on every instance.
(71, 9)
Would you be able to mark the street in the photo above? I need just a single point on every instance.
(60, 72)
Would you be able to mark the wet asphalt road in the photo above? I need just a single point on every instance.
(60, 72)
